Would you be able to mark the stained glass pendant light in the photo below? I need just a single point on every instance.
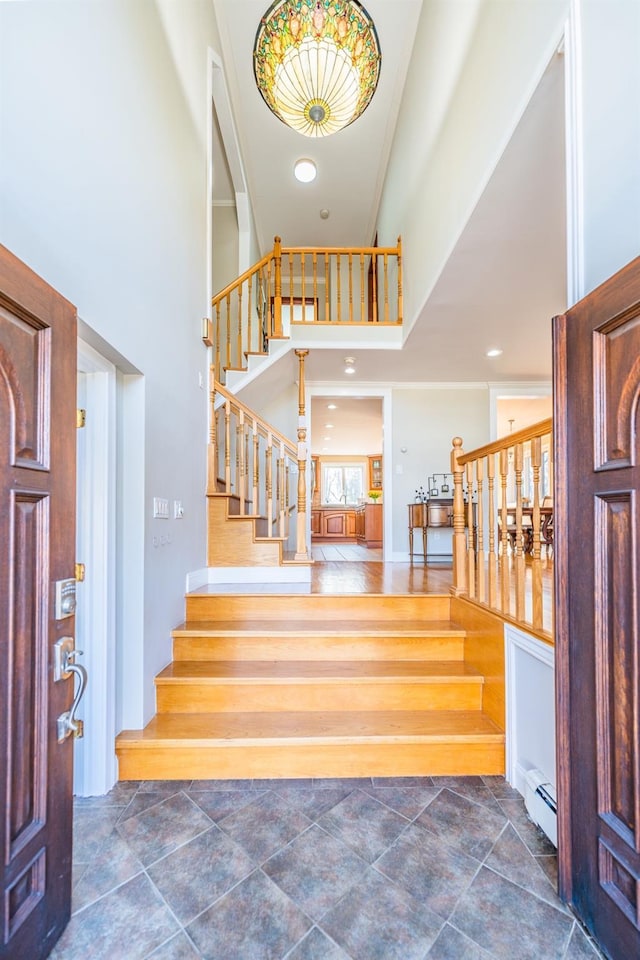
(316, 64)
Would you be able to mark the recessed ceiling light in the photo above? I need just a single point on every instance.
(328, 426)
(332, 406)
(349, 364)
(494, 352)
(305, 170)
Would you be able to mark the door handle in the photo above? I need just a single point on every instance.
(64, 667)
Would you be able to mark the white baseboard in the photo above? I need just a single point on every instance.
(197, 579)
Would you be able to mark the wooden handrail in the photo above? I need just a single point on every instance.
(289, 445)
(540, 429)
(500, 535)
(301, 285)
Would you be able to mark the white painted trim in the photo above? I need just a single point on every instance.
(506, 391)
(386, 395)
(574, 148)
(515, 638)
(197, 579)
(95, 769)
(288, 574)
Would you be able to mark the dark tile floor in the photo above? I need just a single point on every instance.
(441, 868)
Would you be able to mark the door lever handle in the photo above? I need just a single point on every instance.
(64, 667)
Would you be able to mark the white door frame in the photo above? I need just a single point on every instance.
(94, 756)
(384, 394)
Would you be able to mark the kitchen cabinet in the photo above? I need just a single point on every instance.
(375, 473)
(331, 523)
(368, 521)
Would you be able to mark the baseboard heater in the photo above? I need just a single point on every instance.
(541, 803)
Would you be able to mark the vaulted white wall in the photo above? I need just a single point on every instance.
(103, 193)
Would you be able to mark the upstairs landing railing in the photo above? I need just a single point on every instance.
(302, 285)
(503, 526)
(264, 470)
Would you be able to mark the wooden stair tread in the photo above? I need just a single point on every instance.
(310, 671)
(263, 729)
(314, 628)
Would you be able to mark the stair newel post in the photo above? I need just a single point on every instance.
(459, 548)
(302, 552)
(212, 450)
(493, 548)
(480, 557)
(400, 295)
(280, 489)
(277, 298)
(227, 446)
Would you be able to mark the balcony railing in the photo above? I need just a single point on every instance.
(503, 526)
(302, 285)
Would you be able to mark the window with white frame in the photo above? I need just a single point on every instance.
(342, 482)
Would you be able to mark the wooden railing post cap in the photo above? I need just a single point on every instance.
(457, 443)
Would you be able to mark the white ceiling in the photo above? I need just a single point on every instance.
(354, 428)
(505, 278)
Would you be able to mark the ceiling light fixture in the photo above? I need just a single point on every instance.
(316, 64)
(305, 170)
(494, 352)
(332, 406)
(349, 364)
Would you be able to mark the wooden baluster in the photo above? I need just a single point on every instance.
(327, 314)
(217, 361)
(362, 275)
(480, 557)
(238, 476)
(249, 313)
(277, 297)
(269, 304)
(239, 340)
(400, 295)
(520, 543)
(246, 465)
(256, 468)
(269, 483)
(286, 498)
(536, 563)
(227, 446)
(386, 288)
(291, 291)
(471, 556)
(374, 292)
(339, 286)
(304, 286)
(302, 552)
(212, 451)
(459, 585)
(228, 316)
(241, 465)
(505, 593)
(493, 547)
(315, 284)
(350, 263)
(280, 491)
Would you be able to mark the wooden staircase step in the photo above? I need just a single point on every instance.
(383, 743)
(214, 686)
(259, 604)
(313, 639)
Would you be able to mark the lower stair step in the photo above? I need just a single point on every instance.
(179, 746)
(211, 686)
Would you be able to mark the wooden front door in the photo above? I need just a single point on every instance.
(597, 549)
(37, 537)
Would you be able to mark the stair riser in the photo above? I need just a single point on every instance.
(204, 607)
(177, 697)
(313, 760)
(318, 648)
(231, 540)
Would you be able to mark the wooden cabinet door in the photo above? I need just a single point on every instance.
(316, 523)
(37, 542)
(334, 524)
(597, 557)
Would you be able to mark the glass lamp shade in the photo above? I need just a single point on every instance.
(316, 64)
